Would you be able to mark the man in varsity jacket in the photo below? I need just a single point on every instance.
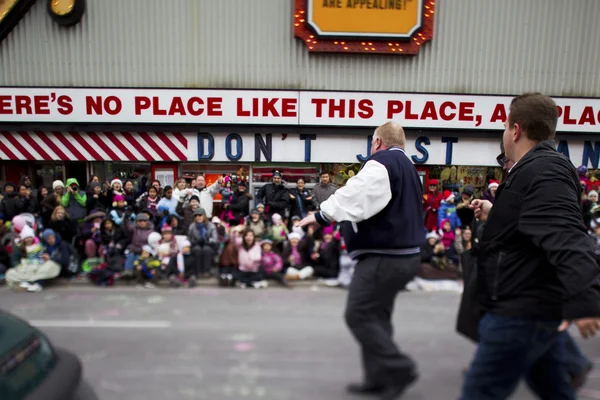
(382, 225)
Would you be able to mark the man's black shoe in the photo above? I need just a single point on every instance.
(365, 389)
(399, 385)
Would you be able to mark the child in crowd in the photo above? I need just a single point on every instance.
(128, 193)
(167, 246)
(294, 260)
(271, 264)
(278, 232)
(92, 233)
(297, 229)
(261, 211)
(116, 188)
(448, 211)
(119, 210)
(327, 260)
(35, 263)
(183, 267)
(256, 224)
(147, 267)
(113, 242)
(249, 257)
(447, 236)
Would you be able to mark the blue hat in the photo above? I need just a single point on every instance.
(47, 233)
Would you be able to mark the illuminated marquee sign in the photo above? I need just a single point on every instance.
(364, 26)
(63, 12)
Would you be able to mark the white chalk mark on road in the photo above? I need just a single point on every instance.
(100, 324)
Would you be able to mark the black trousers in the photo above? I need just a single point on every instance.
(204, 258)
(375, 284)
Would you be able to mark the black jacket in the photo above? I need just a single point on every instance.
(239, 205)
(300, 206)
(536, 259)
(276, 199)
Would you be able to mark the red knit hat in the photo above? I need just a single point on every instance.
(448, 195)
(493, 184)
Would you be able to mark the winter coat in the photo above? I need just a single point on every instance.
(66, 228)
(99, 203)
(448, 211)
(189, 265)
(60, 253)
(287, 252)
(210, 238)
(51, 201)
(321, 193)
(257, 227)
(75, 203)
(187, 215)
(144, 204)
(271, 262)
(300, 206)
(8, 208)
(239, 205)
(206, 197)
(248, 260)
(26, 205)
(276, 199)
(116, 236)
(329, 256)
(171, 204)
(138, 237)
(431, 205)
(229, 255)
(535, 258)
(118, 215)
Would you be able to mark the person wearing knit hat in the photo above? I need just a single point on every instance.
(116, 184)
(593, 196)
(57, 184)
(166, 228)
(493, 184)
(432, 235)
(27, 232)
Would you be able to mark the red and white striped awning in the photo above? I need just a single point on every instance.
(91, 146)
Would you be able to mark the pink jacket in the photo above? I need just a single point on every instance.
(248, 260)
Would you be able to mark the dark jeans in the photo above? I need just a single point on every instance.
(375, 284)
(576, 362)
(510, 349)
(204, 258)
(248, 278)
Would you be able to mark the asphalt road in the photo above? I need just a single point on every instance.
(211, 343)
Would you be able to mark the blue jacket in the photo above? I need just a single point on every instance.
(448, 211)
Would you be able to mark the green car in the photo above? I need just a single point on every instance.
(32, 369)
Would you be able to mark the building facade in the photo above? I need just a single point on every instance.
(162, 90)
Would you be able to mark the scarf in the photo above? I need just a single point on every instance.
(202, 230)
(180, 263)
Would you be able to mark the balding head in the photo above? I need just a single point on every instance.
(388, 135)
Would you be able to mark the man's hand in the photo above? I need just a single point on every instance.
(45, 257)
(588, 327)
(292, 196)
(308, 220)
(458, 232)
(482, 209)
(220, 180)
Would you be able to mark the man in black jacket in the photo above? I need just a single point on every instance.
(536, 267)
(274, 196)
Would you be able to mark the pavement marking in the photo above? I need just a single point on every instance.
(99, 324)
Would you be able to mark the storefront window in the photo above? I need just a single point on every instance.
(290, 174)
(124, 171)
(455, 178)
(46, 173)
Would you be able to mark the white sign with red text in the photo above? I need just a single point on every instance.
(261, 107)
